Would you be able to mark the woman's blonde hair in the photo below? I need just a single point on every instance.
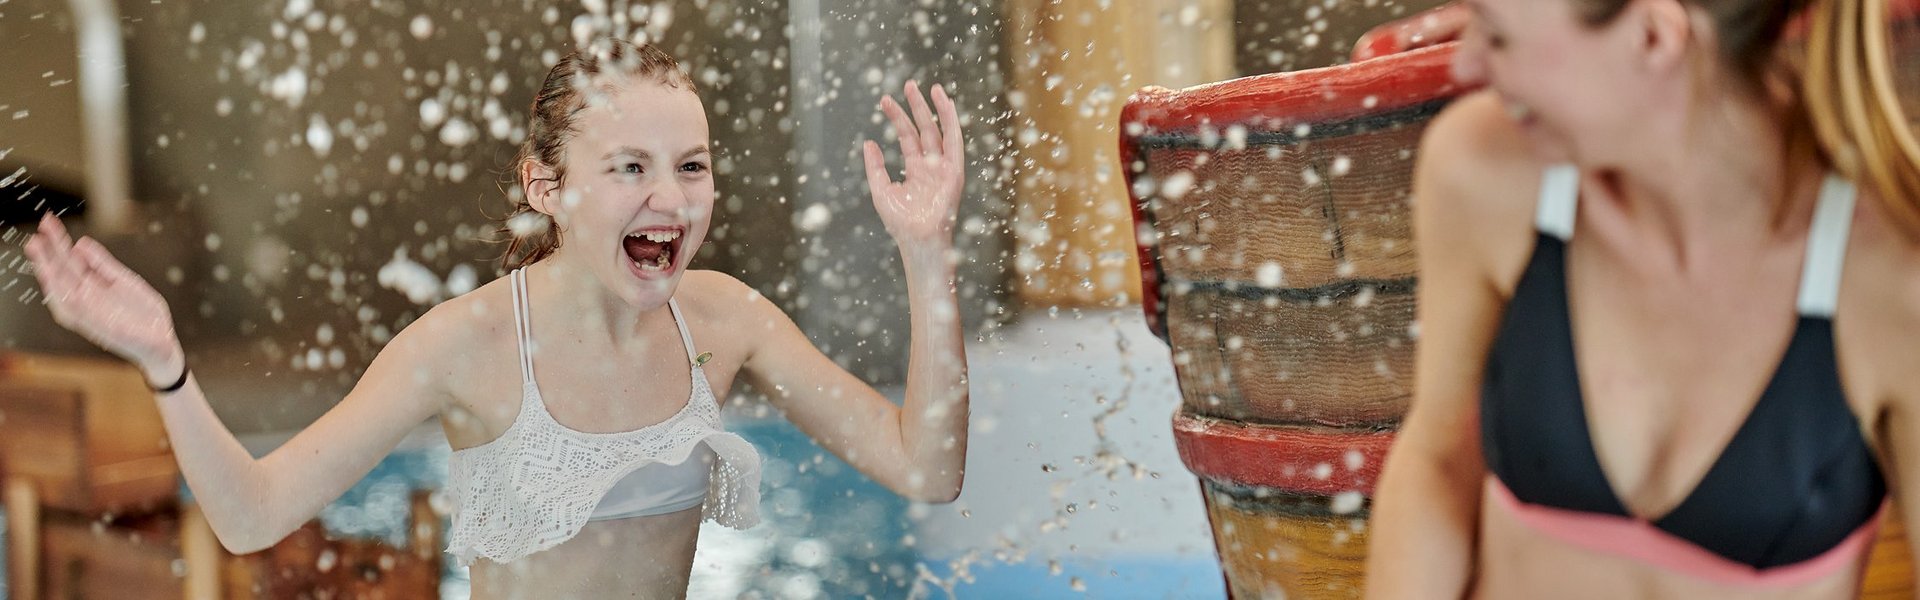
(1847, 105)
(1850, 95)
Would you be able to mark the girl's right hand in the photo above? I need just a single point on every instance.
(95, 296)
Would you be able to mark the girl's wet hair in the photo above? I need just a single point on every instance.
(1847, 106)
(551, 125)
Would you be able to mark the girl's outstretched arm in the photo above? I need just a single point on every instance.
(250, 503)
(917, 449)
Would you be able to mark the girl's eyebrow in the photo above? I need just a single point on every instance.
(628, 151)
(644, 155)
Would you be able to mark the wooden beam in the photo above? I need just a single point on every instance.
(1078, 61)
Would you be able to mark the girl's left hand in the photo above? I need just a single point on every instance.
(921, 209)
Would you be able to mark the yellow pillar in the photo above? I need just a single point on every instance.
(1074, 64)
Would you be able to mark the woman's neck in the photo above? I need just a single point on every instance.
(1722, 184)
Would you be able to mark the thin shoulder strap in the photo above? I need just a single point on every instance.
(1559, 201)
(522, 323)
(686, 338)
(1827, 249)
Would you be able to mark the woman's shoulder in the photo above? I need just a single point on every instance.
(1882, 290)
(1889, 252)
(1476, 186)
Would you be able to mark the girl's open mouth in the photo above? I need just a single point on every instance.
(653, 250)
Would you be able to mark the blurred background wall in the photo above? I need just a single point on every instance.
(311, 175)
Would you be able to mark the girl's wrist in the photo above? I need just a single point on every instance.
(168, 370)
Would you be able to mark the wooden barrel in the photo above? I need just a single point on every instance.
(1279, 266)
(1279, 261)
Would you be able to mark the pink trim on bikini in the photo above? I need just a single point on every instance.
(1640, 540)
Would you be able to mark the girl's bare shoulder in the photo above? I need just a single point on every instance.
(725, 306)
(470, 333)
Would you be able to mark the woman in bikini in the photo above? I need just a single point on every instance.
(1670, 292)
(581, 392)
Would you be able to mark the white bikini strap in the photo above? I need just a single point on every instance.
(1826, 249)
(522, 323)
(1559, 201)
(686, 339)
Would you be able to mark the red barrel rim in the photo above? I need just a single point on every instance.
(1304, 460)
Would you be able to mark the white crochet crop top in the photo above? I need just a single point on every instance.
(540, 482)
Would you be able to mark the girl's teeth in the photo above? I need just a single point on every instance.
(659, 264)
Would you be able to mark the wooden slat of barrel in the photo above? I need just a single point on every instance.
(1324, 211)
(1287, 546)
(1286, 502)
(1344, 358)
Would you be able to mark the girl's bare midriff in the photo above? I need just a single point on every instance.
(639, 557)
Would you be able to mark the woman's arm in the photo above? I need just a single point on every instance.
(251, 504)
(1426, 510)
(1878, 324)
(918, 449)
(1899, 433)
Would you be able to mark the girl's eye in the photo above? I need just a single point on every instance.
(631, 169)
(693, 167)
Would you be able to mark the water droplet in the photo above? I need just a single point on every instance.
(421, 27)
(1349, 502)
(319, 136)
(1177, 185)
(814, 218)
(432, 112)
(457, 132)
(1269, 275)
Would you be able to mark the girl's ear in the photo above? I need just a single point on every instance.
(541, 185)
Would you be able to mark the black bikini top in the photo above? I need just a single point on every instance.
(1798, 476)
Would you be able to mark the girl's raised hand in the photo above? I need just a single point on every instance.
(921, 209)
(92, 294)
